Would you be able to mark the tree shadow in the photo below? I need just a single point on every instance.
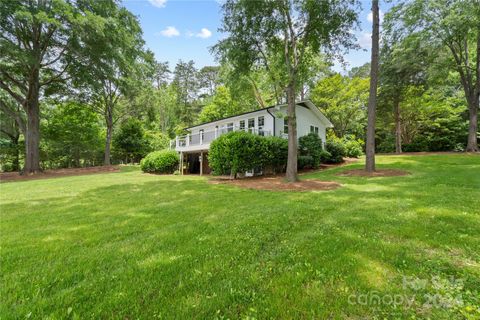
(185, 248)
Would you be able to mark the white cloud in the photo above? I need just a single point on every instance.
(158, 3)
(365, 40)
(169, 32)
(204, 33)
(370, 16)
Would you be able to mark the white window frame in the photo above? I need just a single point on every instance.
(241, 125)
(251, 128)
(260, 127)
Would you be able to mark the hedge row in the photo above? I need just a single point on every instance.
(239, 151)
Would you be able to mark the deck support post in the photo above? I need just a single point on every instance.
(181, 163)
(201, 162)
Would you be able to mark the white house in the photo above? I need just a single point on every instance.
(194, 146)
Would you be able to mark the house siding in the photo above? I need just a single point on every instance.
(307, 116)
(268, 122)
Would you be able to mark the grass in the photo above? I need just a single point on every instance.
(131, 245)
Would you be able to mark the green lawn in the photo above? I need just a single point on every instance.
(131, 245)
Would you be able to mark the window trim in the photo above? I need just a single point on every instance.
(251, 128)
(263, 121)
(241, 125)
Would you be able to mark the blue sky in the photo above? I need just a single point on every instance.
(186, 29)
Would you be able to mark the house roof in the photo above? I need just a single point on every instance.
(306, 103)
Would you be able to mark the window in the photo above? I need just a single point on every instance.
(242, 125)
(261, 123)
(251, 125)
(229, 126)
(202, 136)
(285, 125)
(314, 129)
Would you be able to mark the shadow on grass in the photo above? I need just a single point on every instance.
(184, 248)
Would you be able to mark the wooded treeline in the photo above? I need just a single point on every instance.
(78, 87)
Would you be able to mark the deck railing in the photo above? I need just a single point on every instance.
(204, 138)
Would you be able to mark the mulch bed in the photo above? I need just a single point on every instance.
(278, 183)
(376, 173)
(15, 176)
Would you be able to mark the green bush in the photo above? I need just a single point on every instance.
(164, 161)
(353, 147)
(311, 146)
(275, 153)
(236, 152)
(305, 162)
(325, 156)
(337, 151)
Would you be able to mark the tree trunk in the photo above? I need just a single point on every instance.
(398, 124)
(108, 139)
(16, 160)
(32, 136)
(472, 145)
(473, 105)
(32, 139)
(291, 174)
(372, 99)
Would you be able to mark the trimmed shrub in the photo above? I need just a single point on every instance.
(236, 152)
(325, 156)
(305, 162)
(311, 146)
(275, 153)
(164, 161)
(336, 150)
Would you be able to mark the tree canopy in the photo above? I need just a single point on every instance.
(79, 87)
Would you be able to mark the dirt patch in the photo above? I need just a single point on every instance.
(278, 183)
(376, 173)
(15, 176)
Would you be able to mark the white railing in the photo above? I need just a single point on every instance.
(204, 138)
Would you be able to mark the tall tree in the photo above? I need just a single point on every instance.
(161, 74)
(454, 25)
(115, 64)
(10, 130)
(362, 71)
(185, 78)
(372, 99)
(403, 62)
(221, 106)
(344, 101)
(37, 39)
(208, 78)
(282, 33)
(72, 135)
